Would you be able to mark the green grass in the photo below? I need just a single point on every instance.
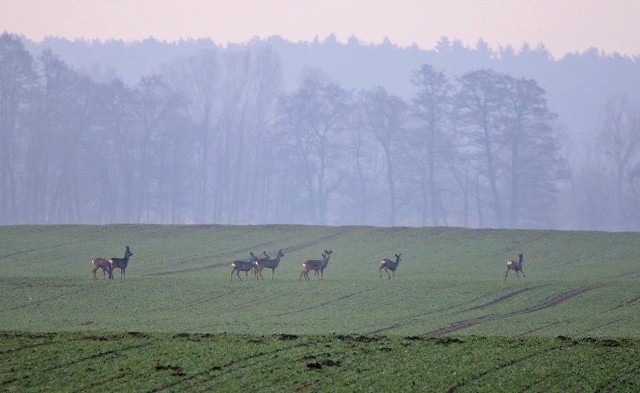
(230, 362)
(448, 319)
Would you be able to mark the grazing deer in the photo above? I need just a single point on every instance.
(316, 265)
(388, 264)
(243, 266)
(269, 263)
(101, 263)
(121, 263)
(517, 266)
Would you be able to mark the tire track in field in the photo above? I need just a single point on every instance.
(603, 250)
(197, 301)
(626, 304)
(571, 320)
(98, 355)
(114, 352)
(52, 247)
(547, 303)
(345, 232)
(510, 249)
(615, 383)
(207, 374)
(500, 368)
(500, 299)
(492, 302)
(228, 255)
(22, 348)
(323, 304)
(48, 299)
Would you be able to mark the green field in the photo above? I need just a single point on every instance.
(447, 320)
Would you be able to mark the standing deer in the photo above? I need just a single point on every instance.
(101, 263)
(517, 266)
(316, 265)
(121, 263)
(269, 263)
(388, 264)
(243, 266)
(256, 264)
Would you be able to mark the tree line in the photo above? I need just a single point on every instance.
(214, 138)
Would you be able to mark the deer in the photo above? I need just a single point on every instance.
(121, 263)
(388, 264)
(101, 263)
(517, 266)
(243, 266)
(256, 264)
(315, 265)
(269, 263)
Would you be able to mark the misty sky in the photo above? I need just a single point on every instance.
(563, 26)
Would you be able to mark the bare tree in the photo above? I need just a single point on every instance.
(511, 132)
(533, 162)
(619, 140)
(431, 107)
(62, 114)
(16, 77)
(165, 145)
(385, 116)
(478, 104)
(198, 79)
(312, 119)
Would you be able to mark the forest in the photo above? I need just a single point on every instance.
(317, 133)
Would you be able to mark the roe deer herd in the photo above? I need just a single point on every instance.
(255, 265)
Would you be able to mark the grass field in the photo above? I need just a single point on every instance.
(447, 321)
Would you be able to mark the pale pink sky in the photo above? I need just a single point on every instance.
(561, 25)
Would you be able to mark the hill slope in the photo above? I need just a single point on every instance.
(450, 281)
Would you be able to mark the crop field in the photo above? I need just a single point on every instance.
(447, 321)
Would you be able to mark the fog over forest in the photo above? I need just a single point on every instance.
(324, 132)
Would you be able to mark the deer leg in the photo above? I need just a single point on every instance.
(523, 273)
(381, 267)
(273, 273)
(505, 274)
